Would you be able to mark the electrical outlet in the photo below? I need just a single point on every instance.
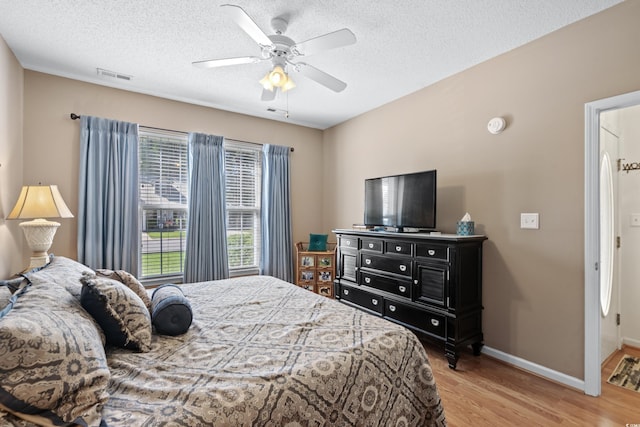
(529, 220)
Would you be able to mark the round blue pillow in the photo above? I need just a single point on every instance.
(170, 310)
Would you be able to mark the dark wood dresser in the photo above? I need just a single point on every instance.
(431, 284)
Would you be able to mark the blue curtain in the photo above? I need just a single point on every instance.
(108, 234)
(206, 250)
(277, 242)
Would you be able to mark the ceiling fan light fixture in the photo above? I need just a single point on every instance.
(277, 76)
(266, 83)
(281, 51)
(288, 85)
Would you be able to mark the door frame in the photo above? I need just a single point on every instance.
(592, 110)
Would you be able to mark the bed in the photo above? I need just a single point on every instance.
(259, 352)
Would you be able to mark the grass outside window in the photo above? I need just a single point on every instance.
(162, 263)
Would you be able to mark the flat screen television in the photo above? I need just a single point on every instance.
(401, 201)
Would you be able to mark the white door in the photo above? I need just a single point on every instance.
(609, 230)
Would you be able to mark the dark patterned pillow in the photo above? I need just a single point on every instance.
(63, 271)
(55, 369)
(121, 313)
(170, 311)
(129, 280)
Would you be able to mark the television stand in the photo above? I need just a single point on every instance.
(431, 284)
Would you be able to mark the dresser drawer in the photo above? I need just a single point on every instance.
(362, 298)
(348, 242)
(429, 250)
(400, 248)
(394, 286)
(434, 324)
(396, 265)
(373, 245)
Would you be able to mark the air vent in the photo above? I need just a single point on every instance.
(113, 75)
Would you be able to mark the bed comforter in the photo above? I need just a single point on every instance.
(263, 352)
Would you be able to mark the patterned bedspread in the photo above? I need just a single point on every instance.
(263, 352)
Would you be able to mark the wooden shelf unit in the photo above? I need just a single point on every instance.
(316, 270)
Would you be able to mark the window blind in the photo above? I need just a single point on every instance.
(243, 179)
(164, 168)
(163, 171)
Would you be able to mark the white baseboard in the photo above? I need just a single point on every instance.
(540, 370)
(631, 342)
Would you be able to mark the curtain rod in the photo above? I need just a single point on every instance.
(74, 116)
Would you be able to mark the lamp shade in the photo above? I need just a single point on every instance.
(277, 77)
(288, 85)
(40, 201)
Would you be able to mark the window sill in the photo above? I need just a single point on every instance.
(152, 282)
(244, 272)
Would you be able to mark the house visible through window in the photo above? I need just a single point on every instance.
(163, 202)
(164, 187)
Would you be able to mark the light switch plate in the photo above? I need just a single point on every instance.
(530, 220)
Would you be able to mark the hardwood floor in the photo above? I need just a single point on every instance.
(483, 391)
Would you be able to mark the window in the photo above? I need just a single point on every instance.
(163, 180)
(243, 180)
(163, 172)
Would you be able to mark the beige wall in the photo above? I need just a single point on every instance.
(11, 113)
(51, 141)
(533, 279)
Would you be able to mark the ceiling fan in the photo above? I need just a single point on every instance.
(282, 51)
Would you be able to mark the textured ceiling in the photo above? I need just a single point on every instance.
(402, 46)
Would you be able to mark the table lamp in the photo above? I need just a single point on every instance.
(38, 202)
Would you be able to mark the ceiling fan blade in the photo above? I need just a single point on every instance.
(343, 37)
(268, 95)
(211, 63)
(245, 22)
(320, 77)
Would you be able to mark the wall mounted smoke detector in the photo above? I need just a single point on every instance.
(496, 125)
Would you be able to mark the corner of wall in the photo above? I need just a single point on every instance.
(11, 158)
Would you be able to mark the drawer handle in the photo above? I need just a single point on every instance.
(367, 261)
(431, 252)
(345, 291)
(398, 248)
(415, 281)
(402, 289)
(392, 308)
(348, 242)
(403, 268)
(367, 280)
(370, 245)
(374, 301)
(435, 322)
